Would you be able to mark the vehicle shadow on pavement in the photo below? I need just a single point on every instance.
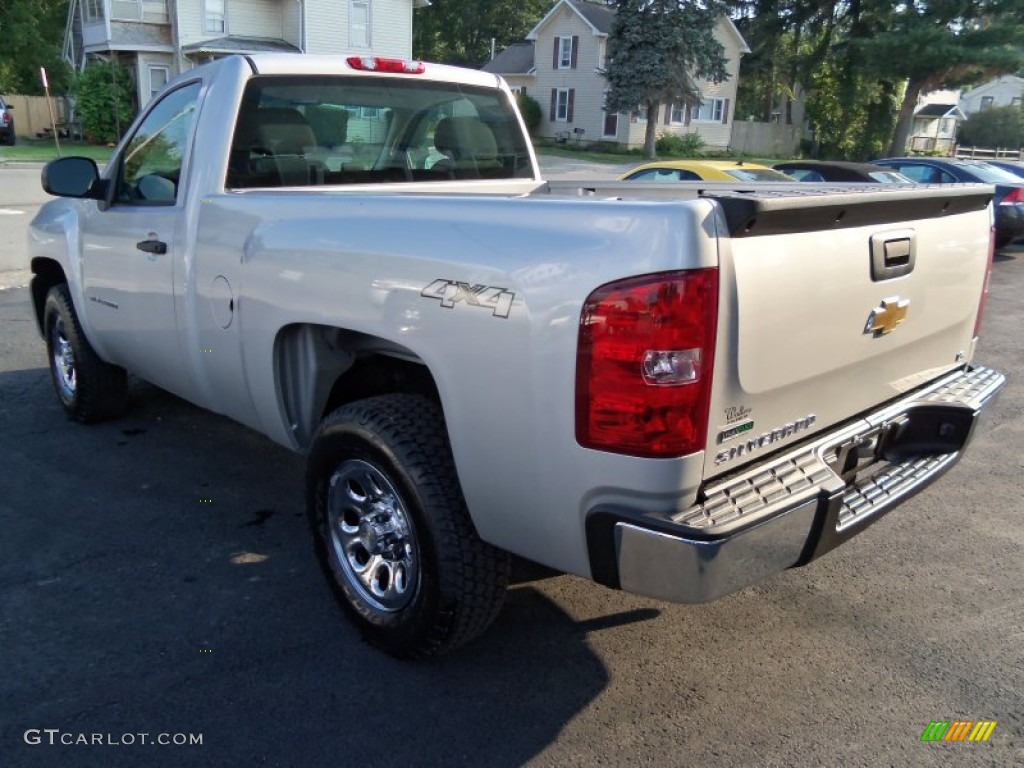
(157, 576)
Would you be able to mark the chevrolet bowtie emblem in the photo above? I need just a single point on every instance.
(884, 318)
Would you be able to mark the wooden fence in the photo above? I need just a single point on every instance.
(765, 139)
(31, 116)
(982, 153)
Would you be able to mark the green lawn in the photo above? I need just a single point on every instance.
(43, 151)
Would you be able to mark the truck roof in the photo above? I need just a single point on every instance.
(309, 64)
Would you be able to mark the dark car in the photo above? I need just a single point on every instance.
(1008, 200)
(6, 123)
(839, 170)
(1017, 169)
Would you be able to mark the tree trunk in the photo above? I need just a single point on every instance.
(652, 127)
(905, 121)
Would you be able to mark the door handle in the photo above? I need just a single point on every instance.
(152, 246)
(893, 254)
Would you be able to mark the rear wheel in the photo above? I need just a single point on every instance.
(392, 531)
(88, 389)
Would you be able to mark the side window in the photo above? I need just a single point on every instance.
(922, 174)
(946, 178)
(151, 165)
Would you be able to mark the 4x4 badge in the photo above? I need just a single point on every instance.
(885, 317)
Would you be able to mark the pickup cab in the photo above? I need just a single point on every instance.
(675, 390)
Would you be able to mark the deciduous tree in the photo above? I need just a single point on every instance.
(31, 35)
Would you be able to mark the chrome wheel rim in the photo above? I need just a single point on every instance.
(371, 536)
(64, 362)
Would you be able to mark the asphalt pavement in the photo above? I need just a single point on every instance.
(157, 578)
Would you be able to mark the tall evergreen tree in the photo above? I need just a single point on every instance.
(936, 44)
(658, 51)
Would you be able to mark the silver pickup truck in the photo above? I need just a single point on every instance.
(673, 390)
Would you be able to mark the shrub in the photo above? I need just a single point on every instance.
(531, 112)
(685, 145)
(993, 128)
(96, 89)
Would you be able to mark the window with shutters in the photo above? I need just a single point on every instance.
(565, 52)
(562, 105)
(710, 111)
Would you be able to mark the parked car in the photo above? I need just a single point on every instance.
(6, 123)
(838, 170)
(1009, 198)
(1016, 168)
(703, 170)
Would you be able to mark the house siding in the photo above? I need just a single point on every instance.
(291, 23)
(254, 18)
(590, 85)
(391, 28)
(327, 27)
(1002, 91)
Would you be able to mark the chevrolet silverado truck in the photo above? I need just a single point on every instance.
(674, 390)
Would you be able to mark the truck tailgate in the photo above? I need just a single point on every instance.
(833, 304)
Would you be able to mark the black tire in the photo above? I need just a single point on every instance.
(89, 389)
(383, 495)
(11, 136)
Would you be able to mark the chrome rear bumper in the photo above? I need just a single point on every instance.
(798, 504)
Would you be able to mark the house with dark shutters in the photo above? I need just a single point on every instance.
(561, 65)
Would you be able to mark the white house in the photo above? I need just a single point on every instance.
(561, 65)
(934, 128)
(158, 39)
(1005, 91)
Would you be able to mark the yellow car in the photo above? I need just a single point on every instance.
(703, 170)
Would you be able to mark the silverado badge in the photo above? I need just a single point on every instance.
(885, 317)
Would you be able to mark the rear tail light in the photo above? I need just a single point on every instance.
(1014, 197)
(395, 66)
(3, 117)
(988, 277)
(644, 364)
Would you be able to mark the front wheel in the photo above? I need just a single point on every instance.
(392, 531)
(89, 389)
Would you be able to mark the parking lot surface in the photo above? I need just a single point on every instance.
(157, 578)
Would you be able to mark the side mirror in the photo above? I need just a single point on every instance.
(9, 108)
(73, 177)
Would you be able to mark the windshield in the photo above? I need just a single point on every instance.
(319, 130)
(990, 174)
(757, 174)
(890, 177)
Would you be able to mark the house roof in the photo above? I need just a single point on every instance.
(991, 84)
(598, 17)
(517, 59)
(237, 44)
(939, 110)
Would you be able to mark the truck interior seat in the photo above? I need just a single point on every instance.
(468, 145)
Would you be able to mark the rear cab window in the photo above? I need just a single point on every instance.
(326, 130)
